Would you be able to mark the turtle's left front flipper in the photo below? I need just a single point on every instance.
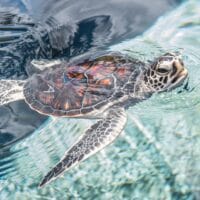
(99, 135)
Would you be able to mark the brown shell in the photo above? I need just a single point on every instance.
(78, 89)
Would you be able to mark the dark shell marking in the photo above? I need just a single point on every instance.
(74, 90)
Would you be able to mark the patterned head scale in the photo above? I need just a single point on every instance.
(166, 73)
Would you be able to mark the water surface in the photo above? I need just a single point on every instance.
(156, 157)
(61, 29)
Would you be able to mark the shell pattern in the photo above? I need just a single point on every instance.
(78, 89)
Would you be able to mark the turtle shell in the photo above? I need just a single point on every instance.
(78, 89)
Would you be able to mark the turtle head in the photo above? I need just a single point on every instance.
(165, 73)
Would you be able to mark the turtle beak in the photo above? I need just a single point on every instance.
(183, 73)
(181, 70)
(180, 75)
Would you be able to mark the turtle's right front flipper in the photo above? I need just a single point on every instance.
(11, 90)
(95, 138)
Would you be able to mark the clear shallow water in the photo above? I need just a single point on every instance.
(156, 157)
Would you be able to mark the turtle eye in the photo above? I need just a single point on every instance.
(162, 70)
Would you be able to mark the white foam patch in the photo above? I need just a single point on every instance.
(11, 90)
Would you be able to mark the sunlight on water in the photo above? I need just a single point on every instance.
(156, 157)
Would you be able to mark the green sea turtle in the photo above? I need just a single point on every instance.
(100, 88)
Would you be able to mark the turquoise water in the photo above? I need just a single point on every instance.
(156, 157)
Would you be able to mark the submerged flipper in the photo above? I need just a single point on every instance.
(11, 90)
(99, 135)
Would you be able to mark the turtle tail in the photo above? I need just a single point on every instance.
(11, 90)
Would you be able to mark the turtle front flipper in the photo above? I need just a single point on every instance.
(98, 136)
(11, 90)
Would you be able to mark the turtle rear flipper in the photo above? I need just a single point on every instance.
(11, 90)
(98, 136)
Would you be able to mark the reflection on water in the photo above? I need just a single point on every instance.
(157, 156)
(62, 29)
(16, 121)
(68, 28)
